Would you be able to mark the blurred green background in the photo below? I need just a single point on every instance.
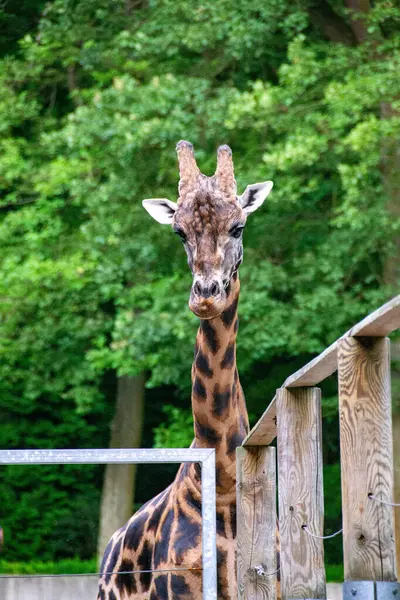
(94, 95)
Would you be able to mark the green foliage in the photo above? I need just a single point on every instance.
(73, 566)
(333, 547)
(91, 288)
(49, 511)
(177, 432)
(334, 573)
(15, 21)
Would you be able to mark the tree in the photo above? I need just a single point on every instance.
(94, 294)
(119, 480)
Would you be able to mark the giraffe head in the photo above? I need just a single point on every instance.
(209, 217)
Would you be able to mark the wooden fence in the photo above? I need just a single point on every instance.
(362, 360)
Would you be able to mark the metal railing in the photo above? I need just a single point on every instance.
(204, 456)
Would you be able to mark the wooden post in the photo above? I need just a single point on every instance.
(256, 523)
(366, 458)
(396, 451)
(395, 372)
(300, 487)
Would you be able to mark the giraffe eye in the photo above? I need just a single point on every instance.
(236, 231)
(181, 234)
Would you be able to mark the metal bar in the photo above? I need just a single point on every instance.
(204, 456)
(387, 590)
(358, 590)
(104, 456)
(208, 513)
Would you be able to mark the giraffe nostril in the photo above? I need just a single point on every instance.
(197, 288)
(206, 291)
(214, 289)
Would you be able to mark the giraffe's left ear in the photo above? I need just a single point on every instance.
(254, 195)
(161, 209)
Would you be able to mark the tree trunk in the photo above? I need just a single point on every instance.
(119, 480)
(331, 25)
(360, 9)
(73, 85)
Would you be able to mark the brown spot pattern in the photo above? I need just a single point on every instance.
(167, 531)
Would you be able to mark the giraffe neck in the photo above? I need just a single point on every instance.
(219, 408)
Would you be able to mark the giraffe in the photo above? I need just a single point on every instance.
(165, 533)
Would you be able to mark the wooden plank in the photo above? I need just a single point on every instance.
(300, 490)
(396, 454)
(256, 523)
(264, 431)
(366, 459)
(318, 369)
(381, 322)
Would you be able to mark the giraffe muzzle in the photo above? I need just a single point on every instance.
(207, 298)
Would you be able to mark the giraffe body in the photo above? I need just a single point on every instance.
(164, 536)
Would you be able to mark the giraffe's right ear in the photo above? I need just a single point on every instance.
(161, 209)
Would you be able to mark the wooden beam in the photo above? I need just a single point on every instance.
(379, 323)
(366, 459)
(300, 488)
(318, 369)
(256, 523)
(396, 454)
(264, 431)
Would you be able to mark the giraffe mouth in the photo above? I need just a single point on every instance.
(207, 308)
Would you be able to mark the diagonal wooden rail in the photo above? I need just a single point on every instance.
(362, 358)
(379, 323)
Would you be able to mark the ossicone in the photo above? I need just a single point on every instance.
(188, 169)
(224, 174)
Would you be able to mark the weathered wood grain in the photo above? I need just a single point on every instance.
(300, 491)
(316, 370)
(379, 323)
(366, 458)
(256, 523)
(264, 431)
(396, 456)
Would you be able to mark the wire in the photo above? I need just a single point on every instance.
(372, 497)
(100, 574)
(259, 569)
(320, 537)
